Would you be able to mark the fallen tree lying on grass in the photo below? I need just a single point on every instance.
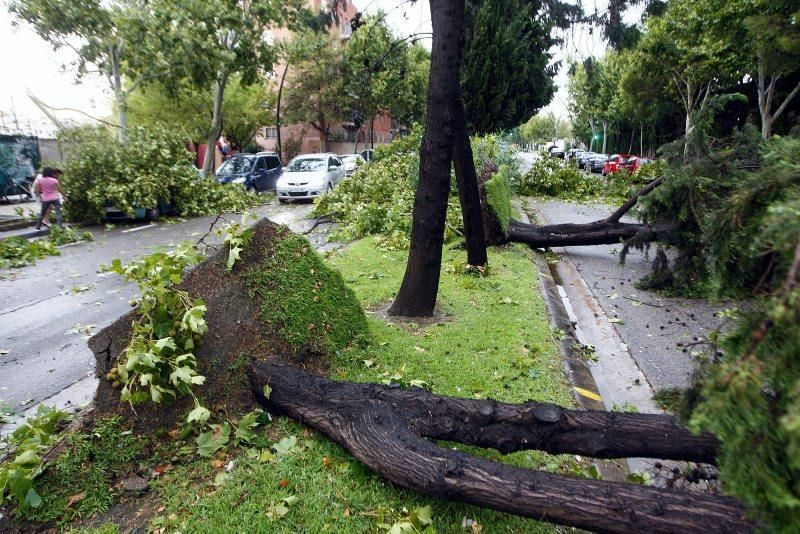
(259, 317)
(385, 429)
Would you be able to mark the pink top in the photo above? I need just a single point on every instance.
(49, 188)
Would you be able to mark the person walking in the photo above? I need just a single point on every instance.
(48, 188)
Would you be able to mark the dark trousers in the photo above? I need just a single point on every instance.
(46, 205)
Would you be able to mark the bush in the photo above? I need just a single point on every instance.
(19, 252)
(498, 196)
(153, 166)
(551, 177)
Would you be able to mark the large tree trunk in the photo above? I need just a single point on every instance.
(216, 124)
(383, 428)
(417, 294)
(606, 231)
(468, 193)
(278, 111)
(120, 98)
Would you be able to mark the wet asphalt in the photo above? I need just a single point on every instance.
(664, 335)
(49, 310)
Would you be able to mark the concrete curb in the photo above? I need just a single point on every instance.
(583, 386)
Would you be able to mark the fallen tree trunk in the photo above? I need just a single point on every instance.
(606, 231)
(384, 428)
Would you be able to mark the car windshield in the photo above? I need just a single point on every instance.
(307, 164)
(235, 166)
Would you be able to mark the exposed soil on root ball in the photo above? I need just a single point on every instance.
(240, 328)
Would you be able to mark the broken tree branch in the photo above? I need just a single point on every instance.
(631, 202)
(379, 432)
(606, 231)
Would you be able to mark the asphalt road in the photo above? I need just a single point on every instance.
(661, 333)
(48, 310)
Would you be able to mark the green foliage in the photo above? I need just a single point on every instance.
(385, 73)
(307, 301)
(22, 456)
(491, 150)
(751, 401)
(733, 229)
(19, 252)
(246, 108)
(378, 199)
(552, 177)
(159, 361)
(79, 482)
(506, 74)
(498, 195)
(153, 167)
(542, 128)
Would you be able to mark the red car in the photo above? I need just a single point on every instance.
(635, 162)
(614, 163)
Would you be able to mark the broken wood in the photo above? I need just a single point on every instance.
(606, 231)
(384, 428)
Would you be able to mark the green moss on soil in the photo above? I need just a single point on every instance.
(498, 195)
(306, 301)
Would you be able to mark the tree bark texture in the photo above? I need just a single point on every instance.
(278, 110)
(385, 428)
(216, 124)
(468, 194)
(420, 286)
(606, 231)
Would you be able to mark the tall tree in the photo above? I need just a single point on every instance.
(417, 294)
(109, 38)
(766, 35)
(245, 109)
(506, 75)
(679, 49)
(385, 74)
(314, 91)
(228, 38)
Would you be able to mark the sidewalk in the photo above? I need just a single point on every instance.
(662, 334)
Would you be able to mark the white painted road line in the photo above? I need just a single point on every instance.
(129, 230)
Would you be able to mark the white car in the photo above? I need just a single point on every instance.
(308, 176)
(351, 162)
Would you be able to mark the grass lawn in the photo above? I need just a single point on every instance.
(492, 339)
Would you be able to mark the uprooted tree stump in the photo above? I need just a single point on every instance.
(259, 310)
(385, 429)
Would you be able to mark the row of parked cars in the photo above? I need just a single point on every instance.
(305, 177)
(603, 163)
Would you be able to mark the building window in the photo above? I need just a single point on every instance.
(270, 132)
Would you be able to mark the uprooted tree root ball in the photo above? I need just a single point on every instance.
(280, 298)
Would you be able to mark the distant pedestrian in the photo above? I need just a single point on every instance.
(48, 189)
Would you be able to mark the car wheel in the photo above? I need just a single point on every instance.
(283, 200)
(587, 168)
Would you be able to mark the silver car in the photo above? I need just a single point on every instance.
(351, 162)
(309, 175)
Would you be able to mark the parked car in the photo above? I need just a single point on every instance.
(162, 207)
(583, 158)
(351, 162)
(309, 175)
(555, 152)
(595, 163)
(634, 163)
(259, 172)
(573, 153)
(367, 154)
(614, 163)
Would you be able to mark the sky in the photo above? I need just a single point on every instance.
(31, 64)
